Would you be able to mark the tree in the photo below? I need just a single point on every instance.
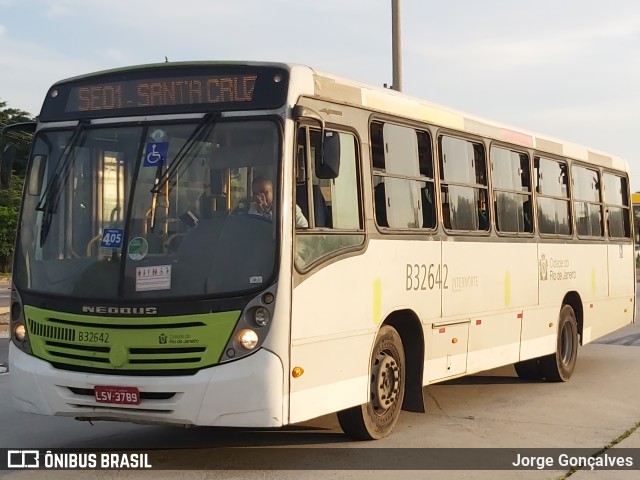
(10, 199)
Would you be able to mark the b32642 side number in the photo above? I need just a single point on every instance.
(426, 277)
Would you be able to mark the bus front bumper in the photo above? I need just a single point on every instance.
(244, 393)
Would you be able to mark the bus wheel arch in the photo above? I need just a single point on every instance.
(408, 325)
(574, 300)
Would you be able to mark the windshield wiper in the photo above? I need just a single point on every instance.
(202, 131)
(48, 203)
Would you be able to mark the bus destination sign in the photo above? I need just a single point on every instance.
(163, 91)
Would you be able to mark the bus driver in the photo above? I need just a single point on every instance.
(262, 190)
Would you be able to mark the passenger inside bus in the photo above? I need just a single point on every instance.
(262, 190)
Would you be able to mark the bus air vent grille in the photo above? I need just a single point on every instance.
(53, 332)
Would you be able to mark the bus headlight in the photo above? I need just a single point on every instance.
(261, 316)
(253, 326)
(19, 332)
(17, 324)
(247, 338)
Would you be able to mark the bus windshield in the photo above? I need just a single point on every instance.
(149, 211)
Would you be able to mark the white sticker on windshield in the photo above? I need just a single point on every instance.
(257, 279)
(157, 277)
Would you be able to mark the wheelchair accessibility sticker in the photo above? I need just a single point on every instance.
(156, 154)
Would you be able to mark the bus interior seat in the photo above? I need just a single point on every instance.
(428, 208)
(211, 204)
(215, 199)
(380, 201)
(320, 212)
(483, 219)
(446, 215)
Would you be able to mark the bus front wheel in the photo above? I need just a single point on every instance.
(375, 419)
(559, 366)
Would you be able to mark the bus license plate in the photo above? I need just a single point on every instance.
(117, 395)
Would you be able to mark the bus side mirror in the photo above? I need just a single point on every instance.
(8, 156)
(328, 164)
(9, 152)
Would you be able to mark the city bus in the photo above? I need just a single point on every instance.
(260, 244)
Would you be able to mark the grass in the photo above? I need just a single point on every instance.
(609, 445)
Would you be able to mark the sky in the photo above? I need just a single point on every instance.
(569, 69)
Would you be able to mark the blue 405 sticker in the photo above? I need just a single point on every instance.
(112, 238)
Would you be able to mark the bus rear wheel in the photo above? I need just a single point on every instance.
(529, 369)
(375, 419)
(559, 366)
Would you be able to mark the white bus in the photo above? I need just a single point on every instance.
(256, 245)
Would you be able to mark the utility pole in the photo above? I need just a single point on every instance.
(396, 47)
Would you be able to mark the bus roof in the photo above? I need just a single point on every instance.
(338, 89)
(151, 66)
(388, 101)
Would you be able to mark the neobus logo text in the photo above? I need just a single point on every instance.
(120, 310)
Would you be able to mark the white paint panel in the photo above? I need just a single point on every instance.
(612, 315)
(621, 270)
(565, 268)
(328, 363)
(494, 340)
(436, 369)
(448, 350)
(485, 277)
(537, 347)
(539, 330)
(488, 358)
(331, 397)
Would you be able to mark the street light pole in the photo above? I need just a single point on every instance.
(396, 47)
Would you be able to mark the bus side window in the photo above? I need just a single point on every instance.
(464, 184)
(316, 201)
(333, 202)
(403, 184)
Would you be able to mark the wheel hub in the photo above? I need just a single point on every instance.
(384, 382)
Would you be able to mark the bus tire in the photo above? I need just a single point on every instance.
(529, 369)
(559, 366)
(375, 419)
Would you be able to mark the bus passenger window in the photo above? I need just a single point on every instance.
(511, 191)
(464, 185)
(403, 184)
(617, 206)
(554, 209)
(587, 202)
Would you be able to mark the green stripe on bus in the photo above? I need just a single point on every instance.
(130, 343)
